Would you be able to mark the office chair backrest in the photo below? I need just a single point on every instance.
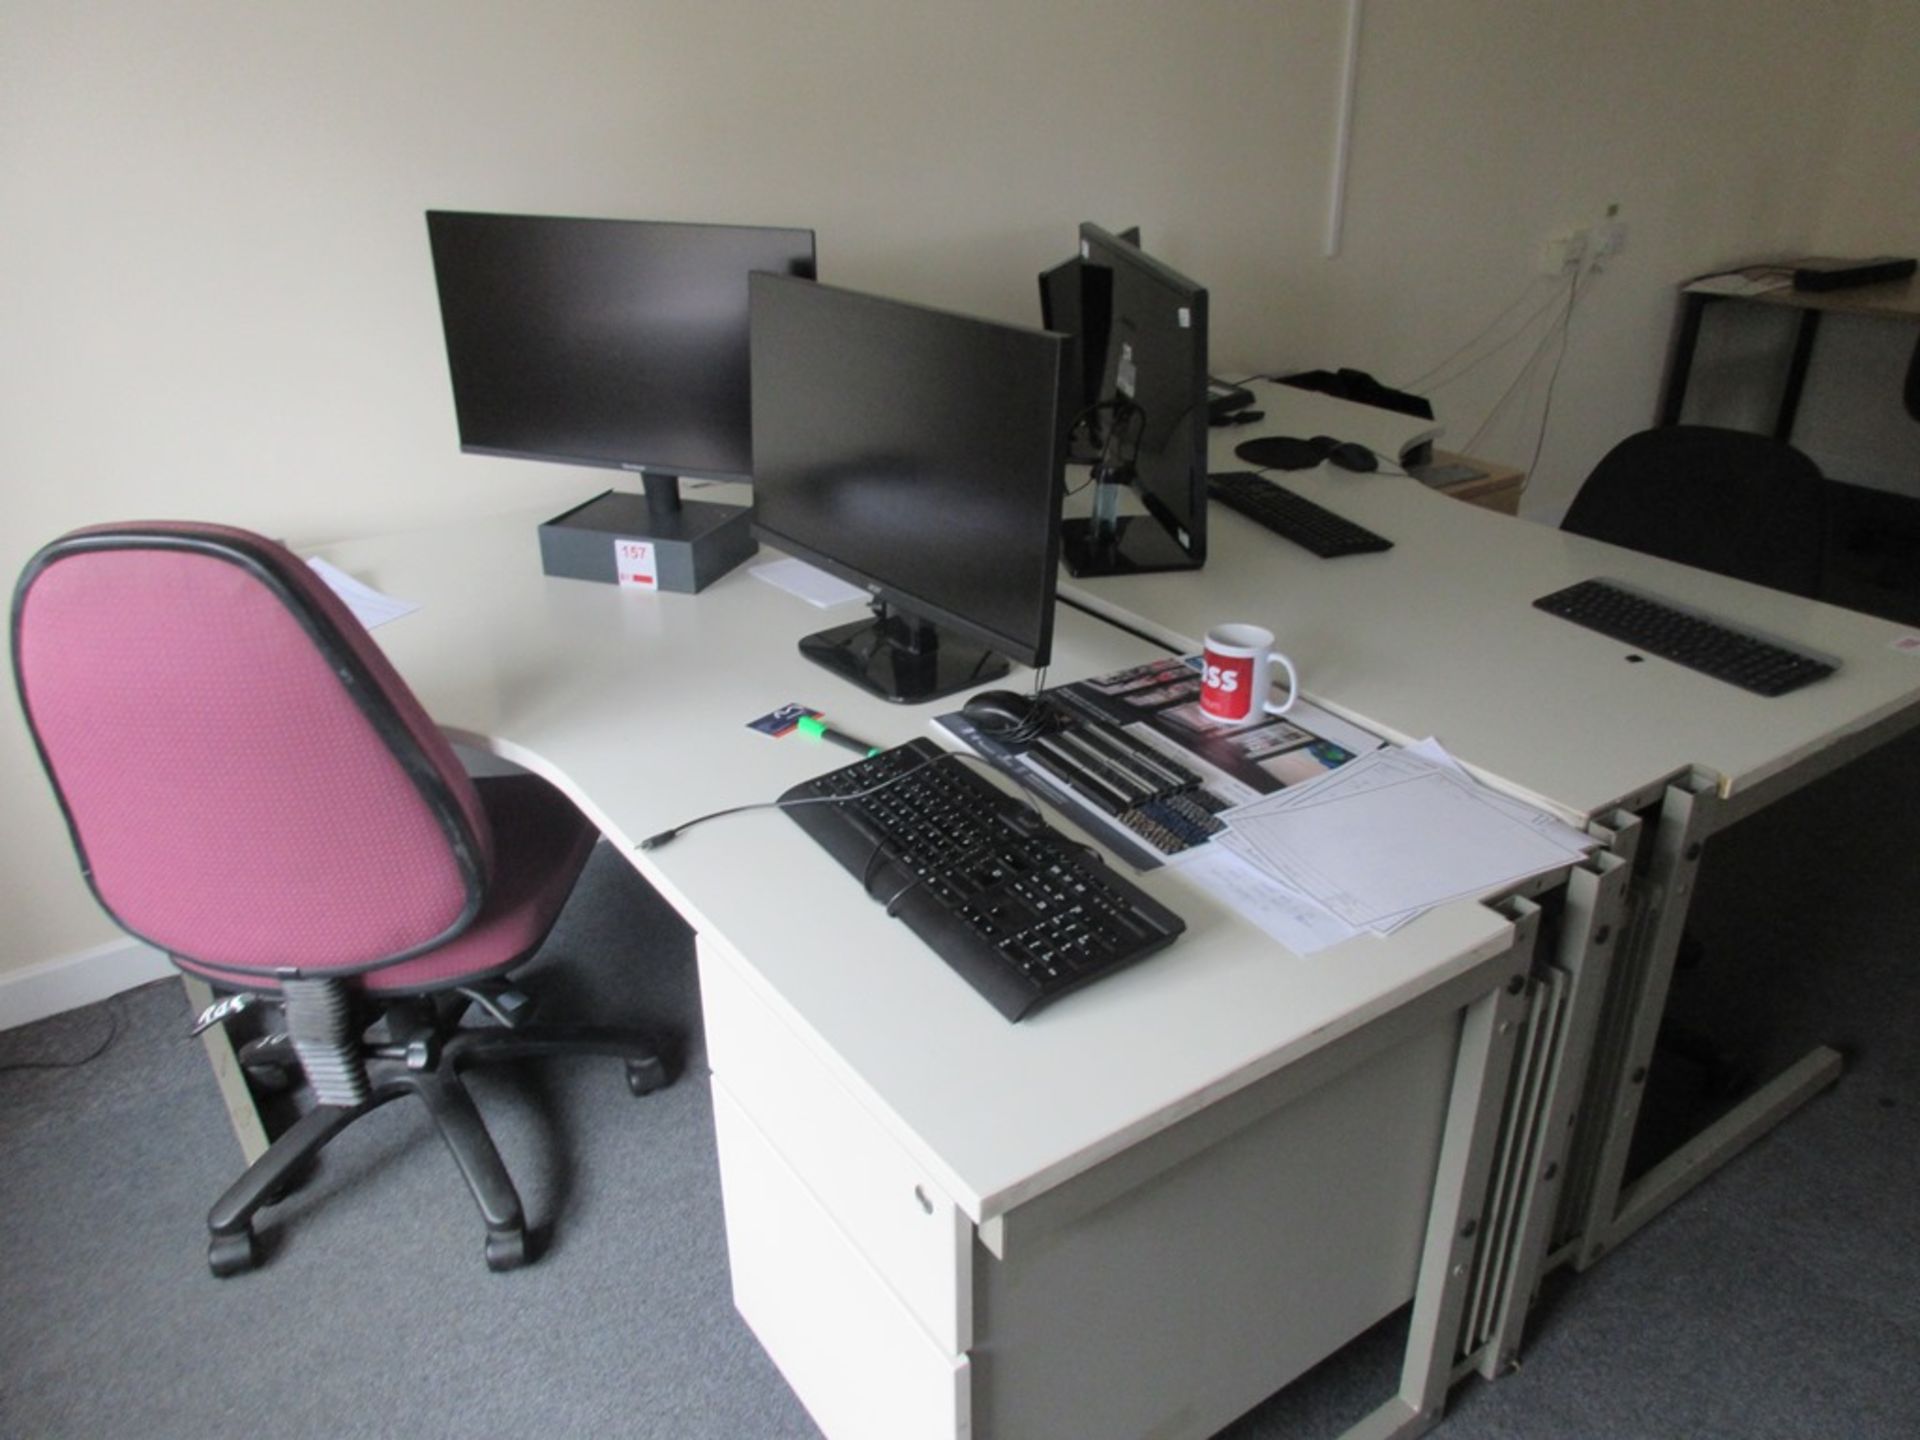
(1728, 501)
(248, 782)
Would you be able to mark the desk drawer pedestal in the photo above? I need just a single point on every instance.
(1160, 1295)
(854, 1354)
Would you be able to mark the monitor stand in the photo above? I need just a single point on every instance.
(1110, 544)
(694, 542)
(902, 657)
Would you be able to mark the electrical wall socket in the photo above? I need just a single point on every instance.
(1563, 251)
(1609, 238)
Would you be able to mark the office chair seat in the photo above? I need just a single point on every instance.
(541, 843)
(252, 788)
(1729, 501)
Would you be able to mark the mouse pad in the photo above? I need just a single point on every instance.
(1281, 452)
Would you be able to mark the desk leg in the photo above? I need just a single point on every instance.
(235, 1093)
(1489, 1031)
(1566, 998)
(1613, 1210)
(1638, 1000)
(1722, 1140)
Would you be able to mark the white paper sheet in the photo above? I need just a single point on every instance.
(1290, 917)
(809, 582)
(1734, 283)
(368, 605)
(1393, 833)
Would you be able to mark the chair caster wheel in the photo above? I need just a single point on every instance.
(645, 1076)
(233, 1254)
(506, 1249)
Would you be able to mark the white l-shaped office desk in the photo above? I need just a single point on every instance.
(1142, 1210)
(1137, 1212)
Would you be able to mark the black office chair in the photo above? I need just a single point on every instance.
(1729, 501)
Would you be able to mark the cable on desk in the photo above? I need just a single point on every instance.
(654, 842)
(1125, 412)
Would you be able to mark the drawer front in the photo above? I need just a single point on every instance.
(858, 1360)
(912, 1234)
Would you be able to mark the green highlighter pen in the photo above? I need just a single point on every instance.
(820, 730)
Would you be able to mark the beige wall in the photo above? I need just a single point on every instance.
(1853, 420)
(218, 300)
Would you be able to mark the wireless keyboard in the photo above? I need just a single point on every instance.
(1686, 637)
(1292, 516)
(1018, 910)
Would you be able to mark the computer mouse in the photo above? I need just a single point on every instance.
(1002, 712)
(1348, 454)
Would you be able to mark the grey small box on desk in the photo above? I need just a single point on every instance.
(693, 545)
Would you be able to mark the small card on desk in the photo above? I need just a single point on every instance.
(783, 720)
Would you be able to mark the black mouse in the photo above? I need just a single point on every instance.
(1348, 454)
(1003, 712)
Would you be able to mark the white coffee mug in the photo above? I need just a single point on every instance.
(1236, 672)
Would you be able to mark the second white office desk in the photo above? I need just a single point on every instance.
(1439, 636)
(1136, 1213)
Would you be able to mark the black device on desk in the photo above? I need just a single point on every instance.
(1144, 420)
(1362, 389)
(1821, 273)
(1686, 636)
(1225, 401)
(1020, 912)
(1292, 516)
(1289, 452)
(918, 454)
(614, 343)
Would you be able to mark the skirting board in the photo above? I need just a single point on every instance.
(53, 986)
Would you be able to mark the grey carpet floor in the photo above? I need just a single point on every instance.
(1782, 1299)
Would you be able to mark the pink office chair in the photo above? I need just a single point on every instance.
(251, 788)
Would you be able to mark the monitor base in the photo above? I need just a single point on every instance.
(693, 544)
(903, 660)
(1138, 545)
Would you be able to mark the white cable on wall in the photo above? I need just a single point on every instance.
(1343, 129)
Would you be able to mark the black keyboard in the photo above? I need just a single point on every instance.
(1686, 637)
(1018, 910)
(1292, 516)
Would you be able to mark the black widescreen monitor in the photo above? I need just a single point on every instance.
(919, 454)
(613, 343)
(1077, 302)
(1146, 414)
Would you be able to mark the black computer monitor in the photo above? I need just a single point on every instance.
(919, 454)
(613, 343)
(1148, 416)
(1077, 301)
